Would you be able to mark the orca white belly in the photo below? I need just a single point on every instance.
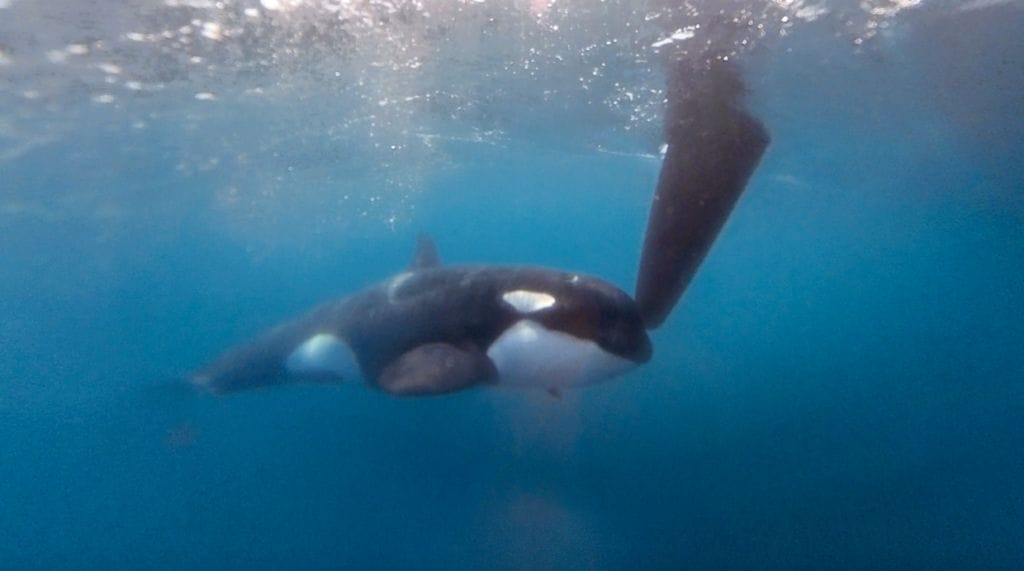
(530, 355)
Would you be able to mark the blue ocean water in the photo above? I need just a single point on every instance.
(841, 387)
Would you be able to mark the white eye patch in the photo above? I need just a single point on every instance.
(526, 301)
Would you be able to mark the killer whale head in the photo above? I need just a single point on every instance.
(568, 330)
(585, 308)
(591, 309)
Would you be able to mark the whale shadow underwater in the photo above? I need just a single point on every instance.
(435, 329)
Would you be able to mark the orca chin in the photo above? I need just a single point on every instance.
(643, 352)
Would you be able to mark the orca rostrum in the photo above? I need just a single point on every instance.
(436, 329)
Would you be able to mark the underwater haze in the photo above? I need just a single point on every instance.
(841, 387)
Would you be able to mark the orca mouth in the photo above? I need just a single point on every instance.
(644, 352)
(627, 343)
(640, 350)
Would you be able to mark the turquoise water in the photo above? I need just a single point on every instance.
(841, 387)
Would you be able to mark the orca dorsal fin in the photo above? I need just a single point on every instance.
(714, 145)
(426, 254)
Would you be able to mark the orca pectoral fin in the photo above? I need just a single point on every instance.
(426, 254)
(435, 368)
(714, 145)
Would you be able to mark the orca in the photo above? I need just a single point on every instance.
(436, 329)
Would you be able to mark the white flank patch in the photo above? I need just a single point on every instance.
(324, 353)
(530, 355)
(526, 301)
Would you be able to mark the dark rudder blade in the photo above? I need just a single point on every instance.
(714, 145)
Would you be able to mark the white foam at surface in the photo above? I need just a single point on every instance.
(983, 4)
(109, 68)
(677, 36)
(212, 30)
(56, 56)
